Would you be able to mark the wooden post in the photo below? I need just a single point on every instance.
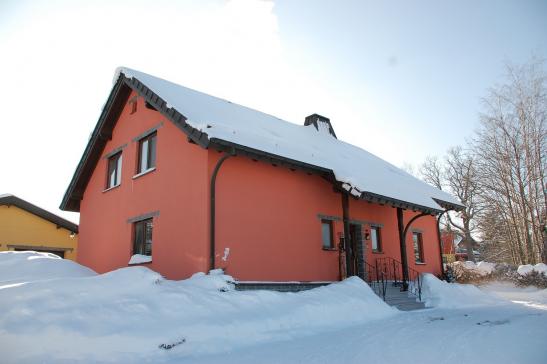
(402, 245)
(347, 238)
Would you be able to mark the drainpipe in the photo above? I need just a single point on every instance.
(212, 207)
(347, 242)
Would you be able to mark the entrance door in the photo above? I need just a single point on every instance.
(356, 246)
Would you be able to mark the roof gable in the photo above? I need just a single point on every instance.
(208, 120)
(11, 200)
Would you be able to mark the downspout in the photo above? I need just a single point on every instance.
(347, 242)
(212, 217)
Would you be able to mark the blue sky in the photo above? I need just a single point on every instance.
(402, 79)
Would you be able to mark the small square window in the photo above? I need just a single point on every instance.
(114, 176)
(376, 239)
(327, 234)
(417, 241)
(142, 243)
(147, 153)
(133, 106)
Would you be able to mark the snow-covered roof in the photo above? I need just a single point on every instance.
(358, 170)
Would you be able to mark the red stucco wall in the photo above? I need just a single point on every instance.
(177, 189)
(267, 216)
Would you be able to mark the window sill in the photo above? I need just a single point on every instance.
(377, 252)
(141, 263)
(143, 173)
(420, 263)
(138, 259)
(111, 188)
(330, 249)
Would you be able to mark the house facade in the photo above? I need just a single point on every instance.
(155, 186)
(25, 226)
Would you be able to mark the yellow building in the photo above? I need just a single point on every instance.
(24, 226)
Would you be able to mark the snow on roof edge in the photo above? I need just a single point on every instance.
(241, 125)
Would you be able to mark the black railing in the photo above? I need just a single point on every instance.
(376, 280)
(388, 270)
(415, 283)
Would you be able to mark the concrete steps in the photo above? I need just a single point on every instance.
(402, 300)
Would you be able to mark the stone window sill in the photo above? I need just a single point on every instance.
(149, 170)
(111, 188)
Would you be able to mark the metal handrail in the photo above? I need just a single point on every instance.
(392, 269)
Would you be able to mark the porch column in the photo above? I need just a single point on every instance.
(402, 245)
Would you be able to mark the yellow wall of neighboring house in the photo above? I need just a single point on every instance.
(22, 229)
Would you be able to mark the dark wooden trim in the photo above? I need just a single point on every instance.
(11, 200)
(402, 247)
(94, 149)
(347, 241)
(112, 110)
(146, 216)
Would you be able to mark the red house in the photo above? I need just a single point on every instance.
(186, 182)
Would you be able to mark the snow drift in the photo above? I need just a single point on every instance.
(437, 293)
(20, 267)
(135, 312)
(529, 268)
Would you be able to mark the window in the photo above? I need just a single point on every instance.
(143, 237)
(376, 239)
(326, 233)
(418, 247)
(147, 153)
(114, 177)
(133, 106)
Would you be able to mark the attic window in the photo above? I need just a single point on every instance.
(133, 105)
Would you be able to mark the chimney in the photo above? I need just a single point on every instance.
(321, 123)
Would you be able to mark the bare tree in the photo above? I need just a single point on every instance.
(510, 148)
(457, 175)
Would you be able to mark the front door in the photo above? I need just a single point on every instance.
(356, 250)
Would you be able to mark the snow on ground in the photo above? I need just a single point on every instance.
(131, 312)
(437, 293)
(134, 315)
(20, 267)
(529, 268)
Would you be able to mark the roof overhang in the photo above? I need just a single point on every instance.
(112, 110)
(10, 200)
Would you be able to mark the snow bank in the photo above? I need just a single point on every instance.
(541, 268)
(481, 268)
(19, 267)
(485, 267)
(437, 293)
(135, 313)
(529, 268)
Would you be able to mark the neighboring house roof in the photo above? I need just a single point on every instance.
(213, 122)
(11, 200)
